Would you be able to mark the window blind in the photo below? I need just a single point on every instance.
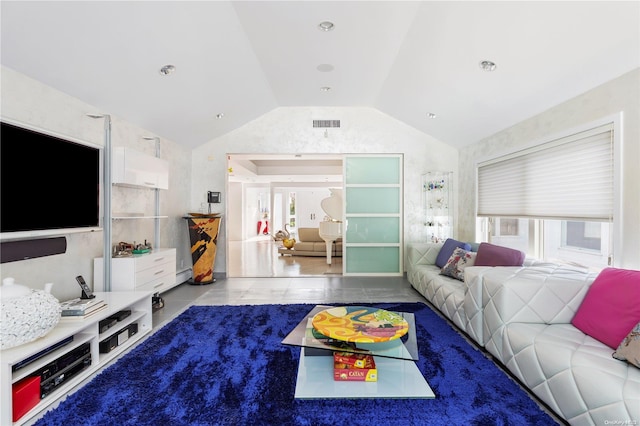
(568, 178)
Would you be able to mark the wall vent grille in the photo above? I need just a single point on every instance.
(326, 123)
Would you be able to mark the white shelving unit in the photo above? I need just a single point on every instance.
(133, 168)
(437, 201)
(138, 170)
(82, 331)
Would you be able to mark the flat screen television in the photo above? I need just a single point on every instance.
(50, 184)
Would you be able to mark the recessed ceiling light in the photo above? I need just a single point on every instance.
(220, 115)
(167, 69)
(325, 26)
(325, 88)
(325, 67)
(487, 65)
(431, 115)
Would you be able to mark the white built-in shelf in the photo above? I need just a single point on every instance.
(81, 332)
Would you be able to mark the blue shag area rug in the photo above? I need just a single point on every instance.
(225, 365)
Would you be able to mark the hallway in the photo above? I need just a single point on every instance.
(259, 257)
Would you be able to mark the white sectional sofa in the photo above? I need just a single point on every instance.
(522, 317)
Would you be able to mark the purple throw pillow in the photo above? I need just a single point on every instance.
(493, 255)
(447, 250)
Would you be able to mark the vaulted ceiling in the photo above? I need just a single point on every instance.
(241, 59)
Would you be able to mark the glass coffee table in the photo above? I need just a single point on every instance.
(398, 375)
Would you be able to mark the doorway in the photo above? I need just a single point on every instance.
(277, 190)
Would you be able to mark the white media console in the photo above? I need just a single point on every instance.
(82, 332)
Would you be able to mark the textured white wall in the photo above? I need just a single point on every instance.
(31, 102)
(289, 130)
(620, 94)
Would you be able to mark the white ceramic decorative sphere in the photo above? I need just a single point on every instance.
(26, 314)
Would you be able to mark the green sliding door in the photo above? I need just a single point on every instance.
(372, 234)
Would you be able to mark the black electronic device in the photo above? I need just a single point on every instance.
(50, 385)
(106, 324)
(213, 197)
(119, 316)
(86, 291)
(64, 177)
(112, 320)
(110, 343)
(40, 354)
(62, 369)
(63, 362)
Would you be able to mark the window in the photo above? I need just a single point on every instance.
(508, 227)
(554, 200)
(292, 210)
(580, 243)
(582, 235)
(567, 178)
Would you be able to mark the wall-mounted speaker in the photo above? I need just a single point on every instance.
(11, 251)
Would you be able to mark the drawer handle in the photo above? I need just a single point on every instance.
(158, 285)
(159, 272)
(158, 259)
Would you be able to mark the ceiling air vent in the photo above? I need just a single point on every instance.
(326, 123)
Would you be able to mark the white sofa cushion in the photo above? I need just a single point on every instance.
(421, 254)
(573, 373)
(472, 305)
(542, 293)
(445, 293)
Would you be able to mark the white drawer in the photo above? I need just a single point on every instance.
(151, 274)
(154, 259)
(158, 284)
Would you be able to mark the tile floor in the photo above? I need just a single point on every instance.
(259, 257)
(259, 275)
(316, 290)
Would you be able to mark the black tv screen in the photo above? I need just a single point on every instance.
(49, 185)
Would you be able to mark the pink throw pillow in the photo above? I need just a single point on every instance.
(611, 307)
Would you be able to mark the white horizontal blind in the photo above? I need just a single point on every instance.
(569, 178)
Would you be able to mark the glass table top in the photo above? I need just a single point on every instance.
(305, 336)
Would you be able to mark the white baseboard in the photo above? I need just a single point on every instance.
(184, 275)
